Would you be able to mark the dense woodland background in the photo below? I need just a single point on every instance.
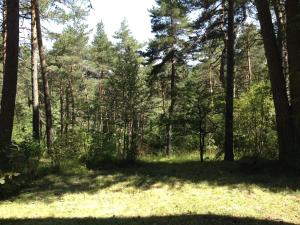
(220, 77)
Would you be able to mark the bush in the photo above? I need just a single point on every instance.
(71, 145)
(20, 162)
(255, 127)
(103, 149)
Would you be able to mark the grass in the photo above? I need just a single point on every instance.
(159, 191)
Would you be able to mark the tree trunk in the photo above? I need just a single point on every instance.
(10, 75)
(132, 151)
(281, 37)
(34, 76)
(224, 51)
(278, 84)
(46, 89)
(67, 109)
(202, 139)
(73, 115)
(222, 66)
(201, 146)
(4, 32)
(249, 64)
(171, 109)
(293, 46)
(229, 156)
(61, 103)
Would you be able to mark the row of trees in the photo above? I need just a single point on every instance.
(109, 99)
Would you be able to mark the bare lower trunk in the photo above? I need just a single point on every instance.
(293, 46)
(132, 150)
(4, 32)
(73, 115)
(46, 89)
(224, 51)
(229, 156)
(10, 76)
(34, 77)
(67, 110)
(201, 146)
(278, 83)
(171, 110)
(61, 103)
(249, 75)
(281, 37)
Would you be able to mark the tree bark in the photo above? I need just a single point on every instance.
(171, 109)
(4, 32)
(67, 109)
(10, 75)
(224, 51)
(249, 65)
(34, 76)
(61, 103)
(281, 37)
(278, 83)
(73, 115)
(229, 156)
(293, 46)
(46, 89)
(132, 150)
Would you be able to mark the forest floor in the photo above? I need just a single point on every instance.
(158, 191)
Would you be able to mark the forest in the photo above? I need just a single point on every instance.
(198, 125)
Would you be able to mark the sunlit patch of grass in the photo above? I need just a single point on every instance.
(158, 188)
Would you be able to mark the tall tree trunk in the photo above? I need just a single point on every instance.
(132, 151)
(171, 109)
(229, 156)
(224, 51)
(61, 103)
(4, 32)
(73, 115)
(222, 67)
(249, 64)
(280, 22)
(281, 37)
(10, 75)
(46, 89)
(278, 83)
(67, 109)
(293, 46)
(34, 76)
(201, 138)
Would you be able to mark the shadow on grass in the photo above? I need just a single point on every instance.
(144, 175)
(155, 220)
(216, 173)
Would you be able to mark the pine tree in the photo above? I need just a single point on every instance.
(102, 51)
(167, 50)
(9, 90)
(124, 90)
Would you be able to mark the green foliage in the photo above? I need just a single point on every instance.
(22, 157)
(72, 145)
(255, 127)
(103, 150)
(102, 52)
(21, 161)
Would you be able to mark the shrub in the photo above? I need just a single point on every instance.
(103, 149)
(255, 127)
(71, 145)
(21, 163)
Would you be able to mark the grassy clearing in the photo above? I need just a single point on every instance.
(160, 191)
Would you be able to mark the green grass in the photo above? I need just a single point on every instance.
(176, 190)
